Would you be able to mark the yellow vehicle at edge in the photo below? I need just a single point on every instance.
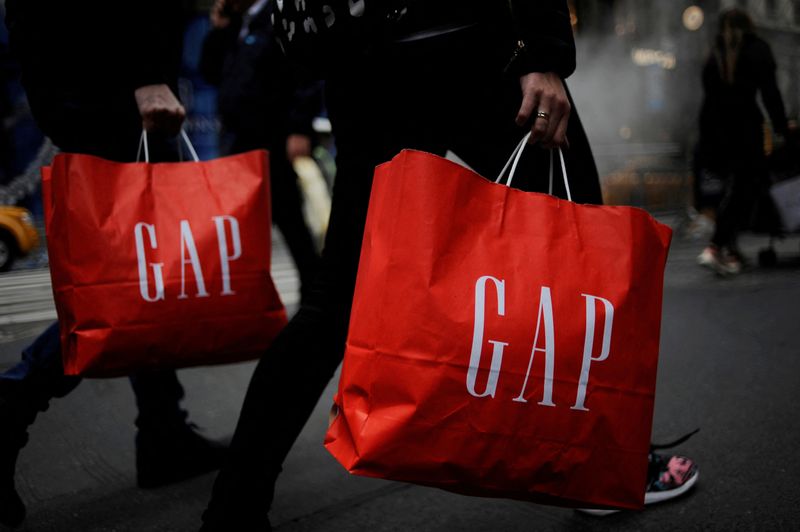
(18, 236)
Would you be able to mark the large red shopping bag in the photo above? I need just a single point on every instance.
(161, 265)
(502, 343)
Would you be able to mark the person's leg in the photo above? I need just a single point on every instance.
(26, 390)
(168, 449)
(294, 371)
(733, 215)
(735, 209)
(287, 213)
(748, 168)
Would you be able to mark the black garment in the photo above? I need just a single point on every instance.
(731, 130)
(437, 94)
(81, 62)
(327, 36)
(261, 102)
(262, 97)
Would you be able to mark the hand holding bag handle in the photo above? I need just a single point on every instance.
(516, 155)
(143, 145)
(423, 385)
(139, 224)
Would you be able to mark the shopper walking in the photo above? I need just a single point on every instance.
(740, 68)
(449, 76)
(95, 74)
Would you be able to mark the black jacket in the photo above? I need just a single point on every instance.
(369, 48)
(325, 34)
(262, 97)
(96, 45)
(81, 62)
(730, 117)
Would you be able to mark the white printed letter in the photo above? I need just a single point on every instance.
(477, 338)
(546, 312)
(224, 258)
(588, 345)
(159, 277)
(187, 242)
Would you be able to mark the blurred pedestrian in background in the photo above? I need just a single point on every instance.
(263, 104)
(741, 66)
(458, 77)
(96, 73)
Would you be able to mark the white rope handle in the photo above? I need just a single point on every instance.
(188, 142)
(513, 157)
(516, 155)
(144, 145)
(563, 173)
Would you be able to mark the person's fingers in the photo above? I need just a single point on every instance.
(159, 108)
(560, 136)
(545, 117)
(298, 146)
(546, 107)
(541, 120)
(164, 119)
(559, 120)
(530, 101)
(175, 119)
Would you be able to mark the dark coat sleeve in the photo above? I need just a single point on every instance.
(542, 25)
(96, 43)
(768, 85)
(545, 30)
(156, 30)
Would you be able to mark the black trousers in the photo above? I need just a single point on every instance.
(745, 184)
(432, 96)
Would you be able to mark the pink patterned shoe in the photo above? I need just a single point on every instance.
(667, 477)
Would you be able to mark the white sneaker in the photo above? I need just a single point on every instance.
(708, 256)
(719, 262)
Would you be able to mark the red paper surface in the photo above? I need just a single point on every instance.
(411, 409)
(203, 228)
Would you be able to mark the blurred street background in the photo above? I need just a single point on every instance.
(730, 349)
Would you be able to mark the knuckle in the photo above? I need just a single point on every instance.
(527, 83)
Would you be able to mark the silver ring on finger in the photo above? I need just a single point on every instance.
(543, 115)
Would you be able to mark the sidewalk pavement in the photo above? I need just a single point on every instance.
(729, 365)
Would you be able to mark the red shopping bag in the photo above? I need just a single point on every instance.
(502, 343)
(160, 265)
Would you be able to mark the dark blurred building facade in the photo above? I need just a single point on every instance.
(638, 85)
(660, 47)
